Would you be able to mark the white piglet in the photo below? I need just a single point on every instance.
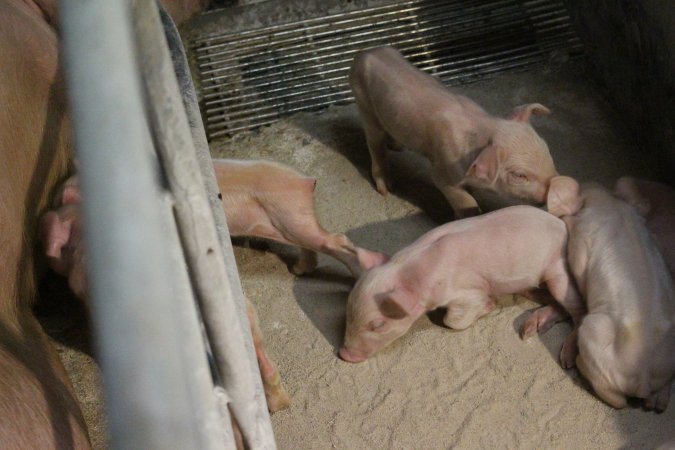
(627, 340)
(461, 266)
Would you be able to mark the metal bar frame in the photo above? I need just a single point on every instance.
(154, 248)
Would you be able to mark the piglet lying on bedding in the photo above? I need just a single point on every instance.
(627, 340)
(460, 266)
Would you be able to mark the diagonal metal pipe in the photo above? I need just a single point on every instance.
(222, 310)
(133, 292)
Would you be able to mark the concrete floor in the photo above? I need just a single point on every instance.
(434, 388)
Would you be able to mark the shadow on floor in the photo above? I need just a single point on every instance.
(409, 176)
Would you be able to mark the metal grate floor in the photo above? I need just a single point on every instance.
(254, 77)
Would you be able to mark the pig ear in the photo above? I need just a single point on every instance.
(54, 234)
(368, 259)
(563, 196)
(399, 304)
(522, 113)
(486, 166)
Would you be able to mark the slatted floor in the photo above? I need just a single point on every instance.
(251, 78)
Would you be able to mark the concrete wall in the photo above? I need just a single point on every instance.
(632, 45)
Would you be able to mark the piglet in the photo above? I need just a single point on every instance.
(272, 201)
(626, 342)
(61, 235)
(461, 266)
(61, 232)
(402, 107)
(656, 203)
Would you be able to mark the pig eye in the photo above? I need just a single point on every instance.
(376, 324)
(518, 178)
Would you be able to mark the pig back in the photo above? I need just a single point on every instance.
(414, 108)
(510, 249)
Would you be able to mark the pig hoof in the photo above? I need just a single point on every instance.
(276, 395)
(568, 355)
(533, 326)
(300, 269)
(538, 322)
(382, 187)
(306, 263)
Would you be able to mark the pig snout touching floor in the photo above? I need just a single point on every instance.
(656, 203)
(461, 266)
(403, 107)
(272, 201)
(626, 341)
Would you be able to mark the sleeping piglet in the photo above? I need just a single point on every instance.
(461, 266)
(272, 201)
(402, 107)
(656, 203)
(627, 340)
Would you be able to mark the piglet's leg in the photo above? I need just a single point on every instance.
(541, 320)
(659, 400)
(277, 398)
(376, 138)
(563, 290)
(336, 245)
(306, 262)
(463, 313)
(302, 230)
(569, 350)
(463, 204)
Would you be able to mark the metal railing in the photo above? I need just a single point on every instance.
(161, 262)
(253, 77)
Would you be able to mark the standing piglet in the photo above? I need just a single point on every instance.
(272, 201)
(627, 340)
(460, 266)
(656, 203)
(403, 107)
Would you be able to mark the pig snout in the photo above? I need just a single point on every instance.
(351, 356)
